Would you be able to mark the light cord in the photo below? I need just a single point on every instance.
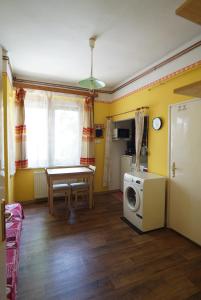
(91, 61)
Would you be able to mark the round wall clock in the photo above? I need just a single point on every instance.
(157, 123)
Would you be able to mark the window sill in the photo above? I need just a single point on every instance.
(49, 167)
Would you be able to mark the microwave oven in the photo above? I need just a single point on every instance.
(121, 133)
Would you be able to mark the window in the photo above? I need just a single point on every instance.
(54, 129)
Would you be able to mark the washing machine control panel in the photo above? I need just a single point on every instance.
(133, 179)
(128, 177)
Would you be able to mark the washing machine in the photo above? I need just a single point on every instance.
(144, 200)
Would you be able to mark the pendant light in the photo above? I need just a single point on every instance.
(92, 83)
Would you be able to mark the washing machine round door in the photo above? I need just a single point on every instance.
(133, 199)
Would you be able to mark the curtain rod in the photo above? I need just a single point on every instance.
(126, 112)
(52, 88)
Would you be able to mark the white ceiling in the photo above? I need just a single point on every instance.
(48, 39)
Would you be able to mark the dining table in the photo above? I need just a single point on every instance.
(68, 174)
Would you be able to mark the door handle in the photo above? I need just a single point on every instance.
(173, 169)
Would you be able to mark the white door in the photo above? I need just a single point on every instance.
(185, 169)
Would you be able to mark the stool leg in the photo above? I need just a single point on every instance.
(66, 202)
(76, 200)
(69, 200)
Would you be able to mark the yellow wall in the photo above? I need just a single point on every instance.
(8, 101)
(5, 97)
(101, 111)
(24, 185)
(158, 98)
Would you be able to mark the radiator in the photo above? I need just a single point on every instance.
(40, 185)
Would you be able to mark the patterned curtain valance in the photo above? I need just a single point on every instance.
(20, 96)
(87, 151)
(21, 160)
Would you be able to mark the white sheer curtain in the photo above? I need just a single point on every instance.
(36, 120)
(107, 159)
(54, 126)
(66, 118)
(139, 128)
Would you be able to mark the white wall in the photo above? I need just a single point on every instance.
(118, 149)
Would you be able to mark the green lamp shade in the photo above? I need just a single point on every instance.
(92, 83)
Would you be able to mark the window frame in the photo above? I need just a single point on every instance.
(54, 104)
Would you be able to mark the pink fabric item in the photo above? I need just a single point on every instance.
(13, 233)
(16, 210)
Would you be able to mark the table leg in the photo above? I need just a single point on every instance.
(90, 192)
(51, 197)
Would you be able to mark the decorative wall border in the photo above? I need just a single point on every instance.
(157, 66)
(161, 80)
(102, 101)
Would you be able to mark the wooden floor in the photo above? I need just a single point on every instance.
(95, 255)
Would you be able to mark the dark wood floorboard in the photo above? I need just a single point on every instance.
(93, 254)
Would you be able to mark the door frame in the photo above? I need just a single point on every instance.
(169, 150)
